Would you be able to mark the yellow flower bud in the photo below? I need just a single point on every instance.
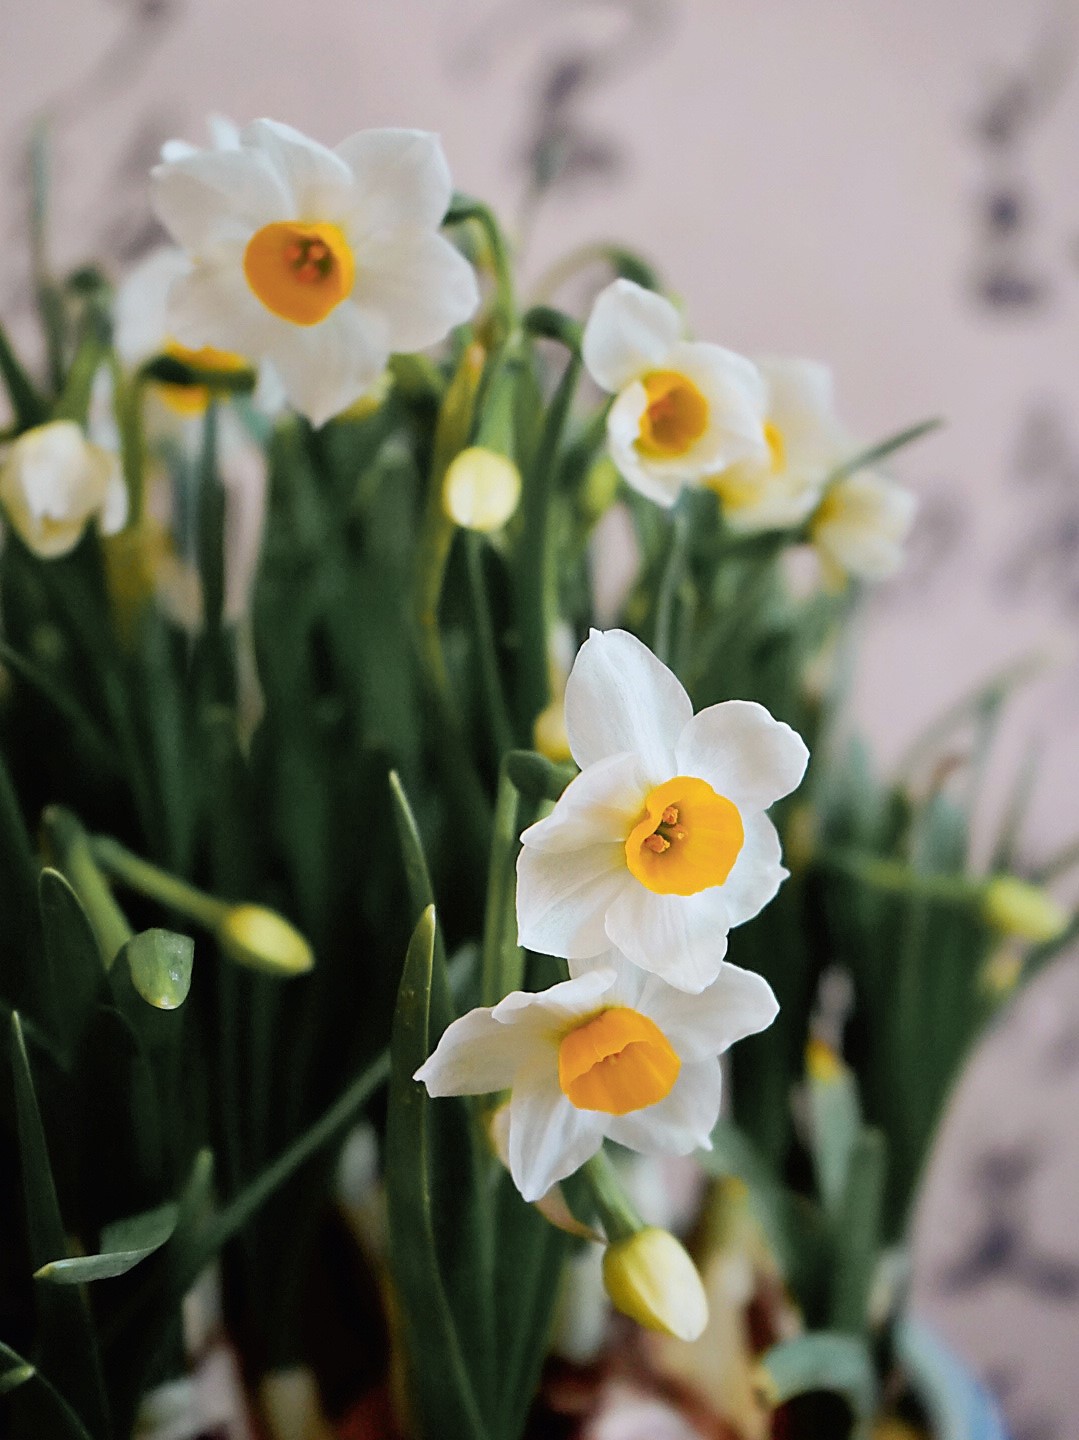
(252, 935)
(1002, 972)
(650, 1277)
(822, 1063)
(481, 489)
(1019, 908)
(549, 733)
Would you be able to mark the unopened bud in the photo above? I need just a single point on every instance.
(650, 1277)
(252, 935)
(1016, 907)
(481, 489)
(549, 733)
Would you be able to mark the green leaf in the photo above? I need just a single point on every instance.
(75, 973)
(835, 1117)
(160, 963)
(64, 1423)
(536, 777)
(822, 1361)
(421, 895)
(29, 407)
(123, 1245)
(67, 1346)
(440, 1378)
(883, 449)
(858, 1232)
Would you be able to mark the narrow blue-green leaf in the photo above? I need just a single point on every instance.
(858, 1237)
(875, 453)
(822, 1361)
(123, 1245)
(160, 962)
(67, 1424)
(75, 971)
(835, 1118)
(67, 1345)
(440, 1379)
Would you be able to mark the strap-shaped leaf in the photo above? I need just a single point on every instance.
(75, 972)
(64, 1423)
(858, 1232)
(440, 1378)
(123, 1245)
(823, 1361)
(67, 1346)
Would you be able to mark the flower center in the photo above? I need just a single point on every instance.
(687, 839)
(617, 1061)
(676, 416)
(777, 445)
(300, 272)
(193, 399)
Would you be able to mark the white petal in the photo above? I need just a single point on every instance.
(757, 873)
(864, 520)
(549, 1137)
(401, 178)
(623, 430)
(736, 394)
(801, 395)
(417, 285)
(601, 805)
(629, 332)
(562, 898)
(681, 938)
(113, 513)
(318, 182)
(214, 305)
(475, 1056)
(216, 195)
(549, 1009)
(681, 1122)
(619, 698)
(737, 1003)
(141, 313)
(325, 367)
(743, 753)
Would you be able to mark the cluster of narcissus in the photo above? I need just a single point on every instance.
(233, 683)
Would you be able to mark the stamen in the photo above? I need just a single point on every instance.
(656, 843)
(670, 816)
(687, 839)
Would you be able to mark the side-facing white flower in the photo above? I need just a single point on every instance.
(322, 262)
(53, 482)
(610, 1053)
(683, 409)
(661, 844)
(860, 527)
(805, 443)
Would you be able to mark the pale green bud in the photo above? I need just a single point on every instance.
(650, 1277)
(1019, 908)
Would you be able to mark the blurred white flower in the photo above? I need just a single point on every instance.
(860, 527)
(611, 1052)
(805, 443)
(683, 410)
(661, 845)
(321, 262)
(53, 482)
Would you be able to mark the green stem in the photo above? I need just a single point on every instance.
(502, 964)
(490, 677)
(76, 860)
(624, 263)
(535, 571)
(616, 1211)
(127, 404)
(670, 582)
(465, 208)
(156, 884)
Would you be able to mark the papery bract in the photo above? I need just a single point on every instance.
(661, 845)
(683, 409)
(611, 1052)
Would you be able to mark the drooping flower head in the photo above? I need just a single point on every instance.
(321, 262)
(683, 409)
(661, 845)
(53, 482)
(861, 526)
(805, 444)
(611, 1052)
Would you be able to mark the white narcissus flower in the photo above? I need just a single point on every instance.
(683, 409)
(53, 482)
(860, 527)
(805, 443)
(661, 844)
(321, 262)
(610, 1053)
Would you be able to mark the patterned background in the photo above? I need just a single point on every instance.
(893, 188)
